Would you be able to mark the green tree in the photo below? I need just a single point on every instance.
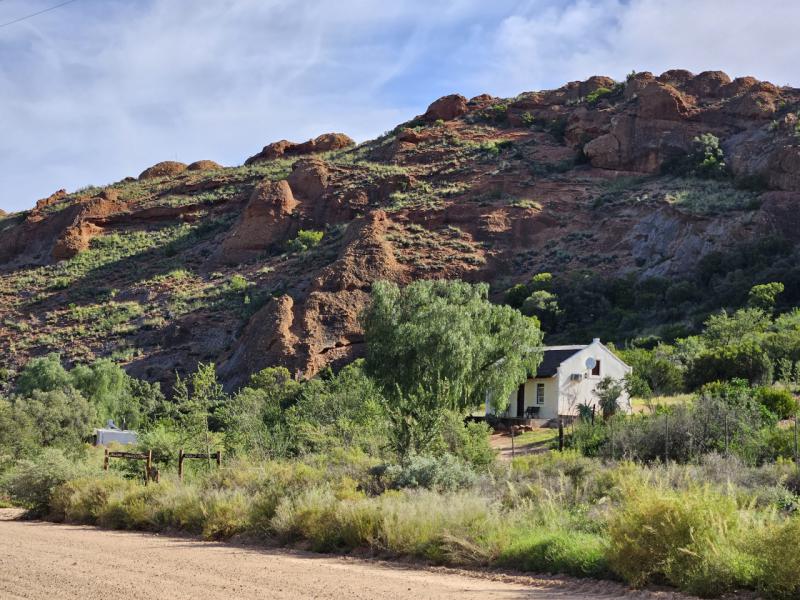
(707, 158)
(722, 329)
(253, 419)
(60, 417)
(608, 392)
(45, 374)
(105, 384)
(657, 370)
(435, 346)
(544, 306)
(745, 360)
(196, 400)
(344, 410)
(763, 296)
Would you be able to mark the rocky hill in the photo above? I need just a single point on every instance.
(651, 201)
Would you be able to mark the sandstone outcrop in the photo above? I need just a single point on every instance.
(446, 108)
(167, 168)
(266, 220)
(204, 165)
(323, 143)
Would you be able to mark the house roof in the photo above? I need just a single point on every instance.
(553, 357)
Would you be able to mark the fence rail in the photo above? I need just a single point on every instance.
(217, 456)
(151, 472)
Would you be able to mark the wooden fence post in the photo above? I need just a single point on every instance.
(560, 434)
(666, 439)
(180, 464)
(148, 467)
(727, 435)
(593, 411)
(105, 460)
(611, 435)
(219, 458)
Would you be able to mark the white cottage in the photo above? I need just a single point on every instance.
(566, 377)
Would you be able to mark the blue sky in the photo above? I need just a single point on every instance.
(100, 89)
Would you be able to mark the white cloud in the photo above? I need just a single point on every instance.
(549, 43)
(101, 89)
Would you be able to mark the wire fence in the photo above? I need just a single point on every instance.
(685, 435)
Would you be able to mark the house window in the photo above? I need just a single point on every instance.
(539, 393)
(596, 370)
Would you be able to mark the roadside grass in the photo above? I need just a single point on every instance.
(691, 526)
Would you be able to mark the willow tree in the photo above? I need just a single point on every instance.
(438, 346)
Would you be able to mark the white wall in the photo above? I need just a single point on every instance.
(575, 392)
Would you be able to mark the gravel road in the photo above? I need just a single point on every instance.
(48, 561)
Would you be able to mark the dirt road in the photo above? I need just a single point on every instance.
(64, 562)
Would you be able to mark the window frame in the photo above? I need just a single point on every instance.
(596, 372)
(539, 399)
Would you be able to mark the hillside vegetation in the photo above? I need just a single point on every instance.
(653, 202)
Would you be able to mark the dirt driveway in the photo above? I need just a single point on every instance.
(45, 561)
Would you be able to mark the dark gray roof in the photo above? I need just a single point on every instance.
(552, 359)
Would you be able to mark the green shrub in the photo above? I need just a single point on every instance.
(567, 552)
(595, 96)
(778, 401)
(226, 514)
(687, 539)
(443, 473)
(31, 483)
(238, 283)
(708, 159)
(780, 561)
(86, 499)
(305, 240)
(309, 516)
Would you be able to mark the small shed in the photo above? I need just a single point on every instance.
(113, 434)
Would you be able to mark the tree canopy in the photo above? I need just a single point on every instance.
(441, 345)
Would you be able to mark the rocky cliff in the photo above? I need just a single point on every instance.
(190, 263)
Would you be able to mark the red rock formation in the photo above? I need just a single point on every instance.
(52, 199)
(323, 143)
(266, 220)
(204, 165)
(446, 108)
(167, 168)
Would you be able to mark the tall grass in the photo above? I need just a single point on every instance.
(557, 513)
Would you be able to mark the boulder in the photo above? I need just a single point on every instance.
(675, 77)
(204, 165)
(708, 84)
(266, 220)
(661, 101)
(52, 199)
(784, 168)
(322, 143)
(75, 239)
(167, 168)
(595, 83)
(309, 178)
(446, 108)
